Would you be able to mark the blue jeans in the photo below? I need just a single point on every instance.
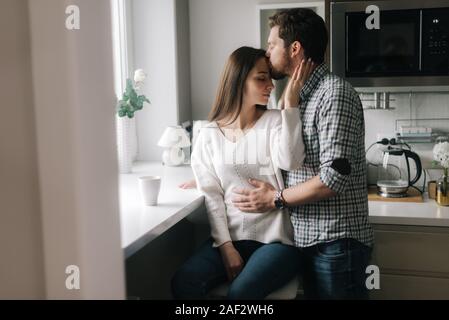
(267, 268)
(335, 270)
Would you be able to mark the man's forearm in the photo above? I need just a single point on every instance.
(310, 191)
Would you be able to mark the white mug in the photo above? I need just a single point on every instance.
(149, 189)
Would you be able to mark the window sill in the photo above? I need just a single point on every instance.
(141, 224)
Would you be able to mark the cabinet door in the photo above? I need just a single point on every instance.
(410, 287)
(412, 251)
(413, 262)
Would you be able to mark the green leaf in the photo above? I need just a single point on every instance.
(143, 99)
(131, 101)
(129, 86)
(435, 163)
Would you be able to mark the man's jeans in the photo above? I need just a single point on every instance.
(267, 267)
(335, 270)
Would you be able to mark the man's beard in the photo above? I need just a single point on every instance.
(277, 74)
(282, 72)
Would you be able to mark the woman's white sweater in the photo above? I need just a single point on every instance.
(220, 165)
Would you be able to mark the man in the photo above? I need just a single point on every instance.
(327, 197)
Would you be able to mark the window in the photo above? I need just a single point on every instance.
(126, 128)
(121, 30)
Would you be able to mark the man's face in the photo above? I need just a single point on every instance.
(280, 61)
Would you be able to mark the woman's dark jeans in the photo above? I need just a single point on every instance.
(267, 268)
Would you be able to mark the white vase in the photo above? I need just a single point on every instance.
(133, 139)
(125, 143)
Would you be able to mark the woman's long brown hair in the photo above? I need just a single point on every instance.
(229, 99)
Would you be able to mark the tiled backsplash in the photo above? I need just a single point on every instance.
(423, 105)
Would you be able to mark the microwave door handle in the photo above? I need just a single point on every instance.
(346, 44)
(420, 40)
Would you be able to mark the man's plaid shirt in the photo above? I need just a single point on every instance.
(333, 128)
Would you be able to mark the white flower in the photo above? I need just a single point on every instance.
(139, 76)
(441, 154)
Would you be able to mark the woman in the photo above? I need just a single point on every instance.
(242, 141)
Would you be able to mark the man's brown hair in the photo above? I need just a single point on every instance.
(305, 26)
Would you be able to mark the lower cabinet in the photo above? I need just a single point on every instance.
(413, 262)
(411, 287)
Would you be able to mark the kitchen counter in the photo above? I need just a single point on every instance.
(141, 224)
(427, 213)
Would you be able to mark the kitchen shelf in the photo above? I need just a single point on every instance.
(438, 130)
(419, 139)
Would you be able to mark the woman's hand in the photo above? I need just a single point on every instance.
(232, 260)
(296, 83)
(191, 184)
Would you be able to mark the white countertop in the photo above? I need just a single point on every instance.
(427, 213)
(141, 224)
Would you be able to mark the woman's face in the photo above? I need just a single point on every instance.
(258, 85)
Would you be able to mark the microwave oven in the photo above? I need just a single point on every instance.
(408, 50)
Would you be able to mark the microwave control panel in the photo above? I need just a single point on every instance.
(435, 39)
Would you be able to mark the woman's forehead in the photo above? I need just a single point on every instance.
(261, 66)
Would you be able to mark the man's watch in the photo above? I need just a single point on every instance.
(279, 201)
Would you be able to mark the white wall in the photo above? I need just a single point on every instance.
(154, 51)
(75, 113)
(183, 60)
(21, 267)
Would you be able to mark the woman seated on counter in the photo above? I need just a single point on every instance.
(253, 251)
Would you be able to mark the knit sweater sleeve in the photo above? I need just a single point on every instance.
(287, 145)
(208, 183)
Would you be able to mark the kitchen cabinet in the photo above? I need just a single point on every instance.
(413, 262)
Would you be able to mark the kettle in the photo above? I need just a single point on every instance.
(393, 175)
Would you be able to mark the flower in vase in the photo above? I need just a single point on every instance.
(131, 101)
(139, 76)
(441, 154)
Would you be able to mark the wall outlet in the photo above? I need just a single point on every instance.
(388, 136)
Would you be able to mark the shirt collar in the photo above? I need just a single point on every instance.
(314, 80)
